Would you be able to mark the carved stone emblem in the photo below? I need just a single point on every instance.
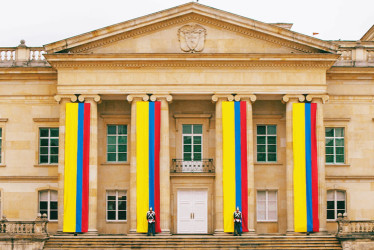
(192, 38)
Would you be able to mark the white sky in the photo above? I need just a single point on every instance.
(41, 22)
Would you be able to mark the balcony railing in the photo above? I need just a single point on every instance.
(203, 166)
(26, 228)
(354, 228)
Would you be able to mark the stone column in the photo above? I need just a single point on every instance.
(289, 100)
(62, 100)
(218, 207)
(320, 100)
(133, 99)
(250, 98)
(165, 215)
(93, 162)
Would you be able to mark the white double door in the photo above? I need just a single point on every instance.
(192, 212)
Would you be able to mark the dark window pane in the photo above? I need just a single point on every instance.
(43, 212)
(197, 157)
(272, 140)
(330, 214)
(187, 129)
(339, 132)
(261, 148)
(111, 198)
(111, 215)
(197, 139)
(272, 148)
(111, 205)
(111, 148)
(340, 150)
(339, 142)
(43, 150)
(54, 215)
(122, 129)
(197, 148)
(329, 158)
(261, 130)
(122, 148)
(330, 205)
(44, 159)
(53, 204)
(121, 139)
(341, 204)
(187, 157)
(122, 215)
(329, 132)
(340, 158)
(187, 148)
(261, 157)
(111, 157)
(53, 159)
(43, 142)
(43, 132)
(261, 139)
(341, 212)
(54, 142)
(43, 205)
(111, 130)
(329, 142)
(111, 140)
(121, 205)
(187, 140)
(54, 150)
(54, 132)
(329, 150)
(272, 130)
(272, 157)
(122, 157)
(198, 129)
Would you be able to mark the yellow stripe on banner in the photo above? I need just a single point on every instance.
(299, 174)
(142, 165)
(70, 178)
(228, 136)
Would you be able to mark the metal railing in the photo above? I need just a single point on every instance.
(182, 166)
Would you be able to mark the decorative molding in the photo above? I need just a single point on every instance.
(46, 165)
(73, 98)
(3, 119)
(192, 38)
(28, 178)
(226, 97)
(273, 117)
(166, 97)
(192, 116)
(357, 177)
(96, 98)
(324, 98)
(288, 97)
(143, 97)
(115, 116)
(45, 119)
(251, 97)
(337, 119)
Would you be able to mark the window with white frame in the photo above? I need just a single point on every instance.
(116, 143)
(267, 205)
(192, 138)
(1, 143)
(48, 204)
(336, 203)
(266, 143)
(48, 145)
(334, 145)
(116, 205)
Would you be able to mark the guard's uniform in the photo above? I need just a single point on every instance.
(151, 218)
(237, 223)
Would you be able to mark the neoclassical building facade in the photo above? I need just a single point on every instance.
(192, 59)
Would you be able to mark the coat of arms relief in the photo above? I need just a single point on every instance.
(192, 37)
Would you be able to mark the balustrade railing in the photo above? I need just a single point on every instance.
(7, 54)
(37, 227)
(354, 228)
(182, 166)
(22, 56)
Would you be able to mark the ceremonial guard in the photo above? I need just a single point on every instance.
(151, 218)
(237, 222)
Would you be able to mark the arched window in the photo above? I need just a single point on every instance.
(48, 204)
(336, 203)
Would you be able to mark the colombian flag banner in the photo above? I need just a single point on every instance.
(305, 172)
(77, 148)
(235, 181)
(147, 163)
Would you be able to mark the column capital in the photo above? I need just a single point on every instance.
(288, 97)
(72, 98)
(249, 97)
(323, 98)
(166, 97)
(95, 98)
(133, 97)
(228, 97)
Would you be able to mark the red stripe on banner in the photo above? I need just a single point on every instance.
(86, 162)
(157, 164)
(313, 113)
(243, 128)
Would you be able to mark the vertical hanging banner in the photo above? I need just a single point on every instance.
(305, 171)
(235, 180)
(148, 121)
(76, 179)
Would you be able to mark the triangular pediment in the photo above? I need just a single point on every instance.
(189, 28)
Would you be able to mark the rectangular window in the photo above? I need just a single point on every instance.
(116, 205)
(192, 142)
(267, 205)
(1, 143)
(48, 145)
(116, 143)
(266, 143)
(335, 204)
(48, 204)
(334, 138)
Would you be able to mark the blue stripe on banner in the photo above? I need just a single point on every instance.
(238, 159)
(308, 159)
(78, 221)
(152, 155)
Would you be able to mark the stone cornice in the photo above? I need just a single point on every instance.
(288, 97)
(73, 98)
(27, 73)
(318, 61)
(190, 12)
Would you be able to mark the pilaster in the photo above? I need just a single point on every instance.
(218, 212)
(133, 99)
(250, 98)
(289, 100)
